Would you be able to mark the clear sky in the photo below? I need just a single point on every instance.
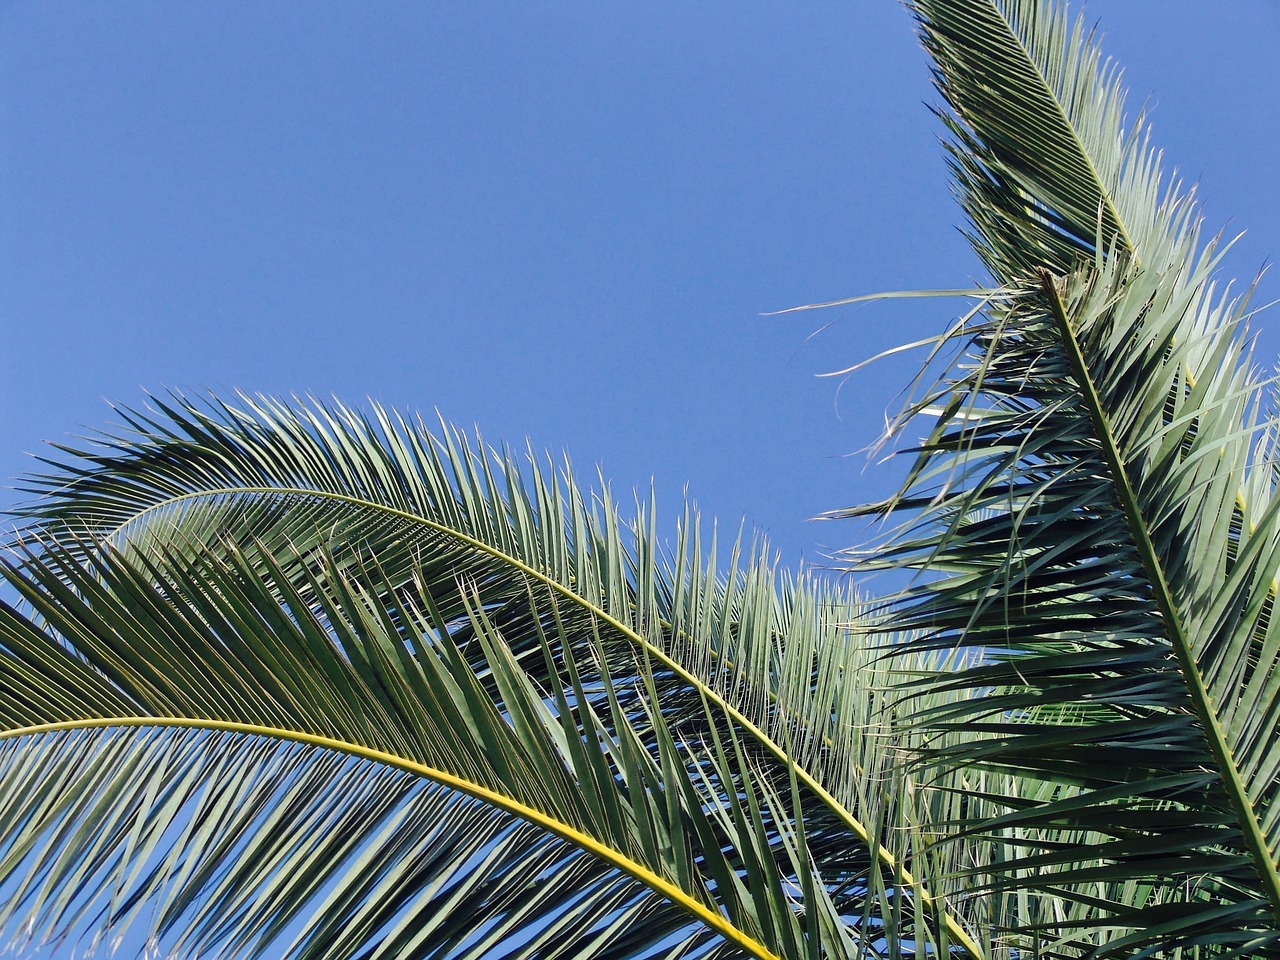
(559, 221)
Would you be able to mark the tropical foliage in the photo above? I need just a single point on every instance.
(293, 680)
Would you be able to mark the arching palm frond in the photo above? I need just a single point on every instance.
(1087, 512)
(654, 758)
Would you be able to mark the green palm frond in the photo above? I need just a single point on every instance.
(1087, 515)
(225, 653)
(299, 569)
(266, 862)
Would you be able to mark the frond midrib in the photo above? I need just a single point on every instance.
(955, 930)
(585, 842)
(1254, 840)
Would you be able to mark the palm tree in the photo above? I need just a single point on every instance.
(290, 680)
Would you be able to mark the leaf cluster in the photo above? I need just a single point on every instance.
(290, 679)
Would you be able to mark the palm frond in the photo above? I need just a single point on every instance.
(223, 652)
(1078, 507)
(297, 569)
(265, 862)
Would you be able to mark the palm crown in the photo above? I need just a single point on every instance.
(293, 680)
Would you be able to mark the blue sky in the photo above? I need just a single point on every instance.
(559, 221)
